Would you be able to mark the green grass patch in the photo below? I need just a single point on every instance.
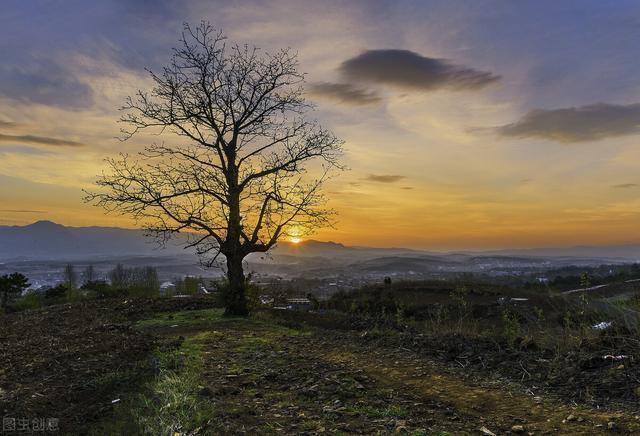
(183, 319)
(170, 402)
(392, 411)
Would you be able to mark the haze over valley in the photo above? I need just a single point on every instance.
(43, 248)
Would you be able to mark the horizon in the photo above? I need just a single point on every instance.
(390, 247)
(478, 138)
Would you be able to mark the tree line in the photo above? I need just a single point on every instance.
(75, 286)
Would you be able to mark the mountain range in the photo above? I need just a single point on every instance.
(45, 240)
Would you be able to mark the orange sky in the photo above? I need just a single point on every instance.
(430, 166)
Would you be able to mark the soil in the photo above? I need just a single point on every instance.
(282, 375)
(58, 362)
(580, 375)
(321, 381)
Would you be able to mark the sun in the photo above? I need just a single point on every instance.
(295, 240)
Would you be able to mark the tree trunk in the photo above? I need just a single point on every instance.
(236, 299)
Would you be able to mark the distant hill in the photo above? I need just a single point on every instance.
(629, 252)
(48, 240)
(44, 240)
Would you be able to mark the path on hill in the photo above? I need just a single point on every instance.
(266, 378)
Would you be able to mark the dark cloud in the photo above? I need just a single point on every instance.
(625, 185)
(407, 188)
(408, 69)
(42, 40)
(384, 178)
(345, 93)
(43, 140)
(46, 83)
(576, 124)
(7, 124)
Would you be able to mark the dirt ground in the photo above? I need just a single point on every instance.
(270, 380)
(65, 362)
(260, 377)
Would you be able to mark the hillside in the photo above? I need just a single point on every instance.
(150, 366)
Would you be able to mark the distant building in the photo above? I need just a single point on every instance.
(299, 304)
(202, 291)
(266, 300)
(167, 288)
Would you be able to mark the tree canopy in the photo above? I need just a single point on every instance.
(12, 286)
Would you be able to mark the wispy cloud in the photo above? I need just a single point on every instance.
(23, 149)
(7, 124)
(576, 124)
(22, 211)
(345, 93)
(625, 185)
(43, 140)
(45, 82)
(384, 178)
(407, 69)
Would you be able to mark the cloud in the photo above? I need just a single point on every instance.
(45, 82)
(345, 93)
(384, 178)
(7, 124)
(43, 140)
(21, 149)
(625, 185)
(407, 69)
(22, 211)
(576, 124)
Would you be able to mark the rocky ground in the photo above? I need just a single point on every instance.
(88, 365)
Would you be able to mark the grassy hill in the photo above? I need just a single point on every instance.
(176, 365)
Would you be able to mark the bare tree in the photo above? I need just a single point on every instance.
(70, 276)
(238, 181)
(89, 274)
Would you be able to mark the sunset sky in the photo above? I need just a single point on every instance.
(467, 124)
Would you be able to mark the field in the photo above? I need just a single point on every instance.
(177, 366)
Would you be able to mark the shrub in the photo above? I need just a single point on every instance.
(73, 295)
(55, 295)
(28, 301)
(11, 287)
(110, 292)
(511, 326)
(252, 293)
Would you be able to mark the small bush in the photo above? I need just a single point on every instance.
(141, 291)
(73, 295)
(55, 295)
(110, 292)
(29, 301)
(511, 326)
(252, 293)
